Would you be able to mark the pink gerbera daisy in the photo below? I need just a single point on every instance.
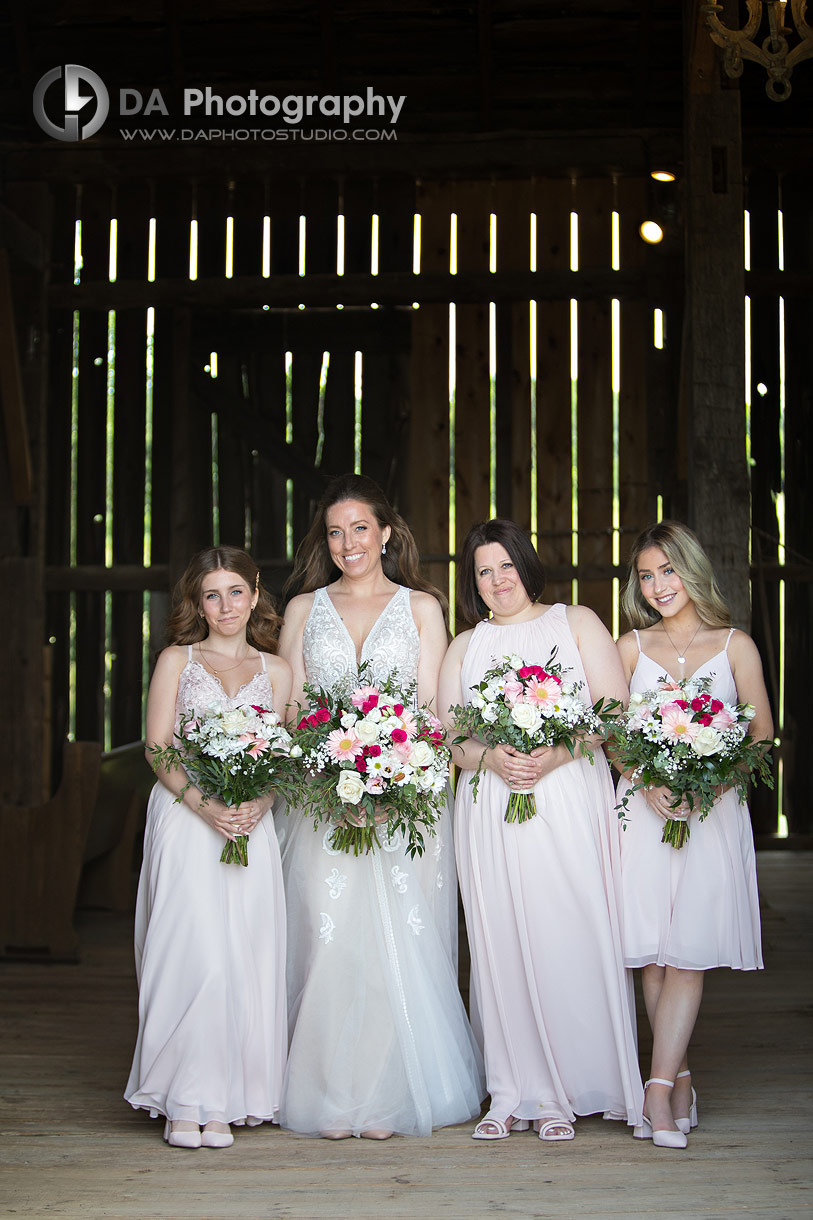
(677, 723)
(545, 691)
(343, 744)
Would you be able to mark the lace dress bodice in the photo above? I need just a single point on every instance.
(392, 646)
(198, 690)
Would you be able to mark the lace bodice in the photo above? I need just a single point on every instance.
(198, 689)
(393, 645)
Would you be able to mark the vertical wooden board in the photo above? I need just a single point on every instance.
(321, 213)
(161, 450)
(125, 711)
(190, 447)
(58, 424)
(231, 442)
(339, 455)
(247, 202)
(396, 209)
(358, 204)
(435, 203)
(512, 206)
(473, 202)
(97, 208)
(57, 621)
(172, 206)
(426, 495)
(63, 232)
(128, 520)
(285, 203)
(593, 201)
(213, 203)
(265, 436)
(132, 207)
(385, 402)
(472, 420)
(635, 508)
(552, 205)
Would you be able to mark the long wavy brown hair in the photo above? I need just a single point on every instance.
(682, 548)
(185, 625)
(313, 566)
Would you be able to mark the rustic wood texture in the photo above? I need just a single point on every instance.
(41, 851)
(73, 1149)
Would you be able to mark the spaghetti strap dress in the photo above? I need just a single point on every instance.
(210, 953)
(697, 907)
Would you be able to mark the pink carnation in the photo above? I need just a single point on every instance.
(365, 694)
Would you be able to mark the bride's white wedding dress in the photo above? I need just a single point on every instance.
(379, 1035)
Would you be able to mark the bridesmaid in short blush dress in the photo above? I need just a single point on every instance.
(689, 910)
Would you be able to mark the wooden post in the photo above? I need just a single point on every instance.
(714, 356)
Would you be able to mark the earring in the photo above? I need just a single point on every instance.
(384, 549)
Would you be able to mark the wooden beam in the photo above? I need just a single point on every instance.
(714, 354)
(20, 469)
(388, 288)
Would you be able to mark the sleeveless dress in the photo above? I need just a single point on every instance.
(698, 907)
(550, 997)
(210, 953)
(379, 1034)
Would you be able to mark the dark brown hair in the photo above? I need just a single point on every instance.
(313, 565)
(185, 626)
(683, 550)
(521, 552)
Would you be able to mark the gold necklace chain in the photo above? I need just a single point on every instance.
(218, 672)
(681, 657)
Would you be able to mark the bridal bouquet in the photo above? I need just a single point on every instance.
(371, 762)
(526, 706)
(235, 755)
(679, 736)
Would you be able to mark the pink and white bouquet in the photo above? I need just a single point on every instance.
(373, 763)
(679, 736)
(235, 755)
(526, 706)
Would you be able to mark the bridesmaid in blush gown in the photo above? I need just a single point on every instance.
(550, 997)
(380, 1043)
(210, 937)
(689, 910)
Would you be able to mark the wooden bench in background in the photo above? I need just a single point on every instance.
(41, 853)
(125, 783)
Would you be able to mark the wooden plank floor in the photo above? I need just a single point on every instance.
(70, 1147)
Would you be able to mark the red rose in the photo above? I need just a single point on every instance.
(681, 703)
(313, 721)
(698, 704)
(704, 719)
(369, 704)
(373, 751)
(361, 766)
(398, 710)
(399, 735)
(716, 706)
(304, 722)
(323, 715)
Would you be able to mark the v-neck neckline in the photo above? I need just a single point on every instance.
(360, 656)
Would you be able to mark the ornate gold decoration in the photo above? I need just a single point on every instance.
(774, 53)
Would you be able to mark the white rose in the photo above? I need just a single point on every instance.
(423, 780)
(366, 731)
(348, 720)
(477, 700)
(350, 787)
(706, 741)
(295, 751)
(636, 699)
(515, 661)
(234, 722)
(492, 691)
(490, 713)
(526, 716)
(422, 754)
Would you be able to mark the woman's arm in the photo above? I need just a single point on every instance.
(521, 770)
(428, 618)
(161, 701)
(746, 667)
(291, 650)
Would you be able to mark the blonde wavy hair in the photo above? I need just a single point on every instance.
(684, 552)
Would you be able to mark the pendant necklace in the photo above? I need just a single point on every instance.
(218, 672)
(681, 658)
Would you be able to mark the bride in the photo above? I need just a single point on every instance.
(380, 1043)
